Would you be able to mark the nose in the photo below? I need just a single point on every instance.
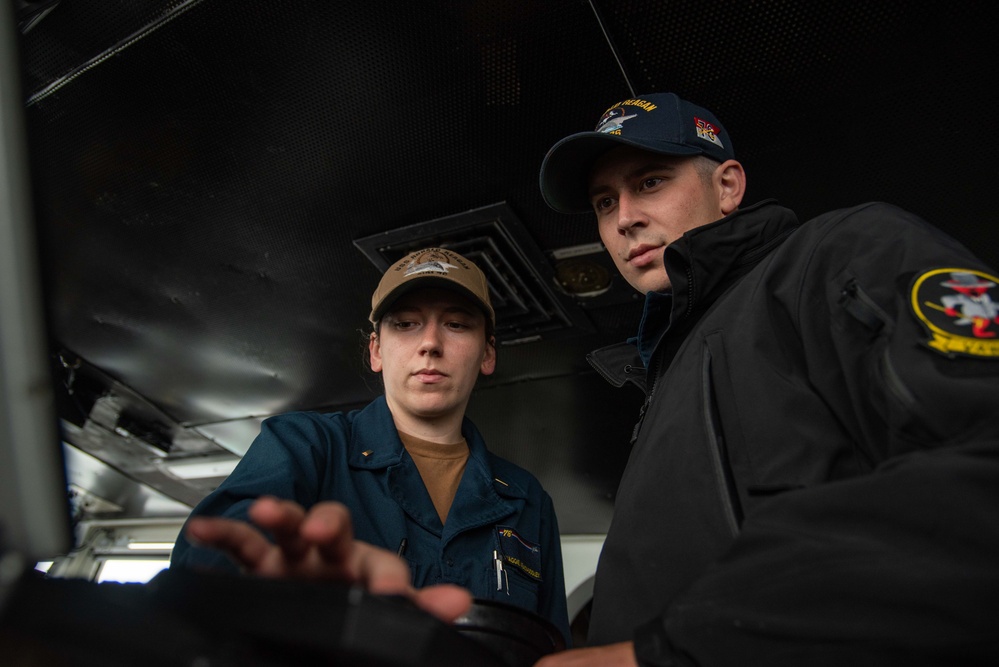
(431, 340)
(629, 213)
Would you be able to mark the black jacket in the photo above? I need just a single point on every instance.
(816, 476)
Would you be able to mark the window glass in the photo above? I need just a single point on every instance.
(131, 570)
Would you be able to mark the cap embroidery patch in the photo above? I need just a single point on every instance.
(957, 308)
(612, 121)
(518, 552)
(434, 263)
(707, 131)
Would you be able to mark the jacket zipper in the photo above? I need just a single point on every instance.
(648, 399)
(659, 360)
(864, 309)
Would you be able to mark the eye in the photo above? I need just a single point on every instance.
(456, 325)
(650, 182)
(602, 203)
(403, 325)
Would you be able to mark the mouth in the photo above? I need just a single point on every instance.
(429, 375)
(644, 254)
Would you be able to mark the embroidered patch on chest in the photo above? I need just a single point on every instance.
(518, 552)
(959, 308)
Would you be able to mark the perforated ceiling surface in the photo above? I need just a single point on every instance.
(204, 169)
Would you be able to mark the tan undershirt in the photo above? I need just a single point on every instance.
(440, 466)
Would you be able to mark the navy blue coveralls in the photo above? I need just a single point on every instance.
(356, 458)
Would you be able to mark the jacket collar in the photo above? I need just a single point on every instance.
(374, 444)
(705, 261)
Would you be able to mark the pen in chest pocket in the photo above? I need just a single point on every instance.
(501, 577)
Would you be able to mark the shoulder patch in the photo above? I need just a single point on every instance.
(958, 311)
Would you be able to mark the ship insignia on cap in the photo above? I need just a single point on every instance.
(434, 260)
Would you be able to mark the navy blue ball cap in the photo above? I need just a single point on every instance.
(660, 122)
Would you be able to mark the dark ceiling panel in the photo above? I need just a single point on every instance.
(204, 184)
(204, 170)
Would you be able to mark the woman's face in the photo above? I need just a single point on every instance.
(430, 349)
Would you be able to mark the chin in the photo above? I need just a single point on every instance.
(432, 410)
(651, 284)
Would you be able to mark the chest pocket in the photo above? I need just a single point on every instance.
(516, 572)
(422, 574)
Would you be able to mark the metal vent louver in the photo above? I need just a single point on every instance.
(521, 282)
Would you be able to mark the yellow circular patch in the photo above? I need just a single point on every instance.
(960, 310)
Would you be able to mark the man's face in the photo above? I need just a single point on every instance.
(430, 350)
(644, 202)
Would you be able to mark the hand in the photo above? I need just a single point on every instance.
(612, 655)
(319, 544)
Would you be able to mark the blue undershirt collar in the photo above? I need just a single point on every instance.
(655, 322)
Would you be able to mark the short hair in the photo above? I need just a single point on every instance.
(705, 166)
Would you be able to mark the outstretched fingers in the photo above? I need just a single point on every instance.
(329, 529)
(380, 571)
(328, 526)
(320, 544)
(445, 601)
(283, 519)
(239, 540)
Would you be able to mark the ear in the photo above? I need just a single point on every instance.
(374, 353)
(730, 183)
(489, 357)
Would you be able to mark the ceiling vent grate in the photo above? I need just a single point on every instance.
(522, 284)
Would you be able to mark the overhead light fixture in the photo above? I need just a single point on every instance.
(150, 546)
(582, 277)
(587, 274)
